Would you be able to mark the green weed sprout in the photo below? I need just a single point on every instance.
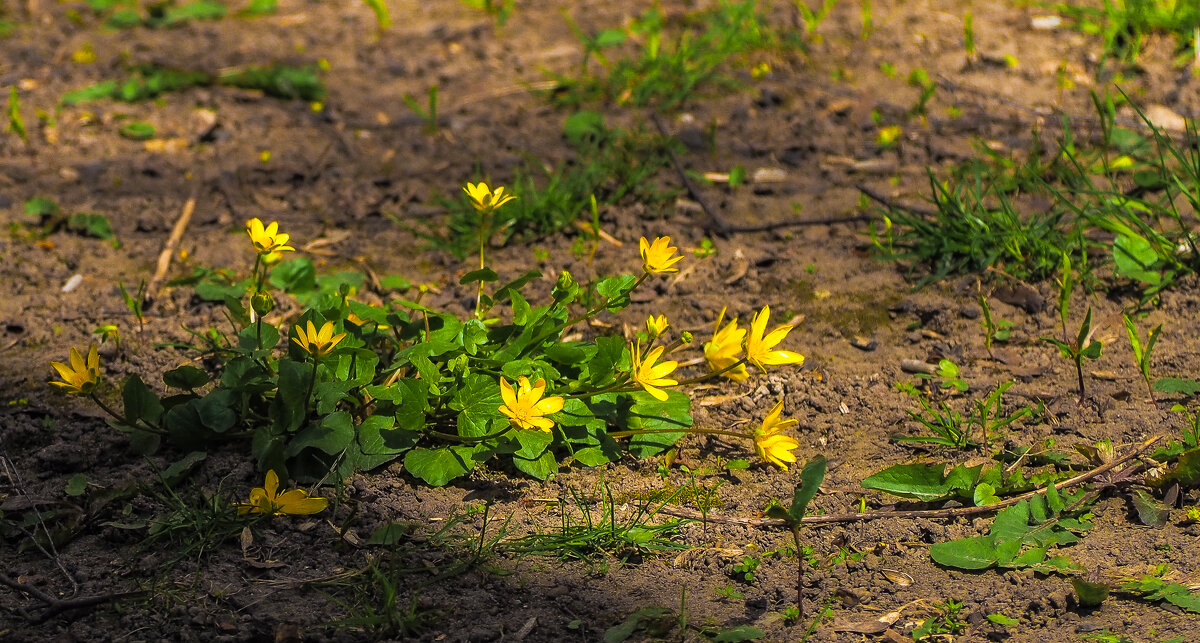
(969, 37)
(429, 114)
(1141, 352)
(811, 477)
(134, 303)
(107, 332)
(16, 124)
(1082, 346)
(347, 386)
(994, 330)
(812, 20)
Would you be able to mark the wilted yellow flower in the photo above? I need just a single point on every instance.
(658, 256)
(759, 348)
(360, 322)
(525, 406)
(318, 343)
(772, 447)
(485, 199)
(263, 500)
(81, 377)
(722, 352)
(656, 326)
(651, 376)
(268, 240)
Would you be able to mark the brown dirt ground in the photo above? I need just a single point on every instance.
(335, 175)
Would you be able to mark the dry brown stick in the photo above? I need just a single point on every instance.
(52, 606)
(716, 223)
(890, 204)
(164, 257)
(955, 512)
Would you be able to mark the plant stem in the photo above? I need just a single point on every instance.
(482, 241)
(795, 529)
(116, 416)
(1079, 372)
(625, 434)
(312, 383)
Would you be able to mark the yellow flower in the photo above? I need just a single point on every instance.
(318, 343)
(656, 326)
(263, 500)
(772, 447)
(651, 376)
(269, 240)
(659, 256)
(81, 377)
(485, 199)
(759, 349)
(525, 406)
(722, 352)
(360, 322)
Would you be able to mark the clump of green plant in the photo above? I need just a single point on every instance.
(349, 386)
(975, 227)
(1126, 24)
(948, 621)
(949, 427)
(666, 70)
(150, 81)
(593, 538)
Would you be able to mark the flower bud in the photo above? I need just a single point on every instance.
(262, 303)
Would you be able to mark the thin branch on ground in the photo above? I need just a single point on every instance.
(890, 204)
(51, 606)
(955, 512)
(172, 244)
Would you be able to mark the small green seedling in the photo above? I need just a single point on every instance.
(1141, 353)
(744, 571)
(994, 330)
(430, 114)
(812, 19)
(16, 124)
(969, 37)
(730, 592)
(134, 303)
(107, 332)
(811, 478)
(1082, 346)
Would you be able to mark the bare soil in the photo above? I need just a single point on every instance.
(341, 174)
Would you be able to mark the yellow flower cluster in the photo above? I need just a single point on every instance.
(723, 354)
